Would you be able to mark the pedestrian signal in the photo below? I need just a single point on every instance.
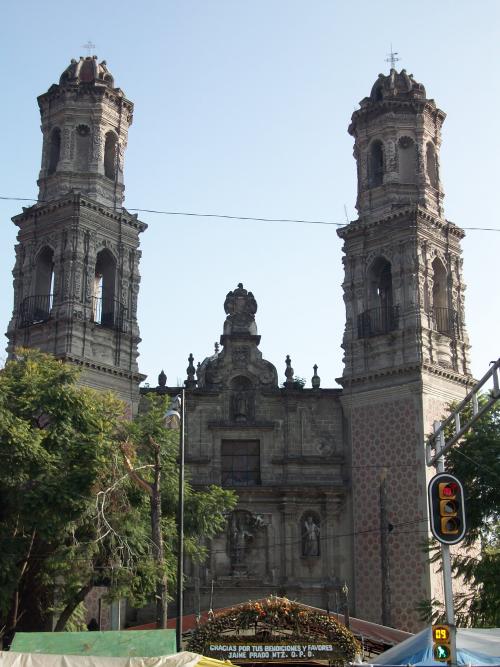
(446, 508)
(441, 643)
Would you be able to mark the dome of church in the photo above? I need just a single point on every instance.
(87, 70)
(399, 85)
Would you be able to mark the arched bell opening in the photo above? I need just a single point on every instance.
(444, 318)
(381, 316)
(38, 306)
(105, 308)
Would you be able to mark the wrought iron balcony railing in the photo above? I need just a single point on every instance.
(377, 321)
(445, 321)
(35, 309)
(109, 313)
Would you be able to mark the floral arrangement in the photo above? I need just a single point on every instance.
(275, 620)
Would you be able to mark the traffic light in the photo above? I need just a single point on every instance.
(446, 508)
(441, 643)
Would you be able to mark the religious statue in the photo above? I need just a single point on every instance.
(243, 528)
(239, 537)
(310, 537)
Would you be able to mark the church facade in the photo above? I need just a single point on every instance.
(331, 481)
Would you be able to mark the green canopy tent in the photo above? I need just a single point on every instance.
(144, 643)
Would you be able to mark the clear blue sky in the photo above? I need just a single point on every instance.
(242, 108)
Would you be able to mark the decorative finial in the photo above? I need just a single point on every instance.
(315, 380)
(89, 47)
(190, 383)
(392, 58)
(216, 347)
(162, 379)
(288, 371)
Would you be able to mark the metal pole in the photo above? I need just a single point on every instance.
(180, 527)
(384, 552)
(445, 556)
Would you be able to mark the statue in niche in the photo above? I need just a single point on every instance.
(310, 536)
(240, 407)
(243, 527)
(240, 536)
(241, 399)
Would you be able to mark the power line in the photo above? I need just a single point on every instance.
(247, 218)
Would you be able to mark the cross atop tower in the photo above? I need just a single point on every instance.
(89, 46)
(392, 58)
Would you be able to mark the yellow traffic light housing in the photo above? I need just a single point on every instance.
(446, 508)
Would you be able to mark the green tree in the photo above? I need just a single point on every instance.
(476, 462)
(70, 515)
(55, 438)
(151, 456)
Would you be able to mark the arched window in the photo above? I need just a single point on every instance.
(82, 147)
(439, 285)
(41, 302)
(54, 150)
(431, 165)
(105, 307)
(380, 276)
(381, 315)
(407, 154)
(110, 146)
(444, 318)
(376, 164)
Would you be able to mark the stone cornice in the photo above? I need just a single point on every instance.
(241, 426)
(104, 368)
(336, 459)
(370, 109)
(56, 91)
(360, 226)
(434, 369)
(77, 201)
(173, 391)
(291, 494)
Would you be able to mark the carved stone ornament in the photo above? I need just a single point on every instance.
(240, 357)
(405, 142)
(240, 307)
(162, 379)
(83, 130)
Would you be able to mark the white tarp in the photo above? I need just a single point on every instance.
(12, 659)
(474, 647)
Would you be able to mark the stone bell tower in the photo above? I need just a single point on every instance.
(76, 276)
(405, 342)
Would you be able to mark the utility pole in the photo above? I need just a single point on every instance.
(446, 562)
